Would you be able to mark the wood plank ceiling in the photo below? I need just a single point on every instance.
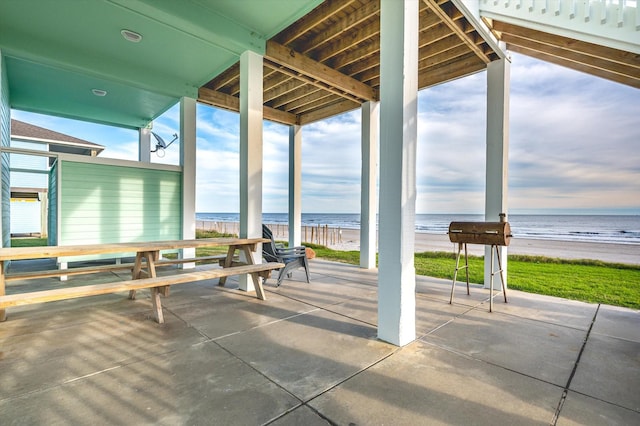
(328, 62)
(612, 64)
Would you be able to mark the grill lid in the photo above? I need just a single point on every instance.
(485, 233)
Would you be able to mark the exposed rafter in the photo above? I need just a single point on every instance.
(328, 62)
(612, 64)
(228, 102)
(318, 72)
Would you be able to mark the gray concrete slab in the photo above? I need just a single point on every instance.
(554, 310)
(541, 350)
(309, 353)
(582, 410)
(422, 384)
(430, 313)
(343, 271)
(302, 415)
(197, 384)
(51, 356)
(609, 370)
(324, 290)
(230, 313)
(618, 322)
(441, 290)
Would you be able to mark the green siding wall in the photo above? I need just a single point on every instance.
(5, 140)
(104, 204)
(52, 210)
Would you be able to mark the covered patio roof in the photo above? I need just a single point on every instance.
(321, 58)
(328, 61)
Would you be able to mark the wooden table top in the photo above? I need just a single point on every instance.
(19, 253)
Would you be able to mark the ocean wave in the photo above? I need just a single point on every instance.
(606, 229)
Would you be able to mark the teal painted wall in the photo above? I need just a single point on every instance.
(5, 140)
(52, 210)
(101, 203)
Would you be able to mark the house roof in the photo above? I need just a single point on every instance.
(59, 142)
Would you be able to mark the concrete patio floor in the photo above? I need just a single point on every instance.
(309, 356)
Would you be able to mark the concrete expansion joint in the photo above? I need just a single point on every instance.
(565, 392)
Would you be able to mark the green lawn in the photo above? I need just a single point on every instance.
(586, 280)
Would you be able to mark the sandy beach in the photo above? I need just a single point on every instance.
(608, 252)
(349, 239)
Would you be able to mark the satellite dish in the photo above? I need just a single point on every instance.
(161, 145)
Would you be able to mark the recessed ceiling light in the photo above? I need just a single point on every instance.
(99, 92)
(131, 36)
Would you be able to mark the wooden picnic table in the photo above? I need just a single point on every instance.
(147, 257)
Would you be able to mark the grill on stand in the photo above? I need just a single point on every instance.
(485, 233)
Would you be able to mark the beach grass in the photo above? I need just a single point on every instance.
(590, 281)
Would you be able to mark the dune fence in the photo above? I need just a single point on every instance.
(315, 234)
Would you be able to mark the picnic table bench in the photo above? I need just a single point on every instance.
(147, 258)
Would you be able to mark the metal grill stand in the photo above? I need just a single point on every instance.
(486, 233)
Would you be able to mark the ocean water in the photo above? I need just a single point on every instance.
(595, 228)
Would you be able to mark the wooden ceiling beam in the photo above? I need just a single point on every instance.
(365, 63)
(583, 47)
(427, 18)
(328, 111)
(310, 20)
(231, 103)
(437, 32)
(348, 41)
(570, 55)
(368, 48)
(301, 97)
(225, 78)
(360, 15)
(319, 103)
(306, 79)
(442, 57)
(629, 80)
(451, 19)
(282, 89)
(317, 72)
(442, 73)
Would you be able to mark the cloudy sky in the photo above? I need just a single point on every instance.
(574, 148)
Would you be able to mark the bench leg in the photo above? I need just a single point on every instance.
(157, 305)
(228, 261)
(257, 283)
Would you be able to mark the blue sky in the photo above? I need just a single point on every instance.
(574, 148)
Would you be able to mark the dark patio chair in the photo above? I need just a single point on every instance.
(292, 257)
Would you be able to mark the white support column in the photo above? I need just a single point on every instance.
(250, 153)
(144, 144)
(295, 185)
(188, 163)
(398, 140)
(368, 193)
(497, 157)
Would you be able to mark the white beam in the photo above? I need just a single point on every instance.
(398, 140)
(295, 185)
(368, 194)
(497, 156)
(144, 145)
(250, 154)
(5, 184)
(188, 163)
